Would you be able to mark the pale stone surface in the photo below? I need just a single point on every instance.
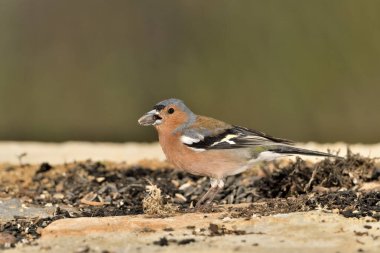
(58, 153)
(6, 238)
(315, 231)
(9, 208)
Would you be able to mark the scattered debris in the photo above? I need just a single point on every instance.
(147, 230)
(161, 242)
(89, 189)
(302, 177)
(82, 249)
(165, 242)
(358, 233)
(153, 203)
(216, 230)
(44, 168)
(349, 203)
(7, 240)
(22, 230)
(89, 198)
(20, 157)
(186, 241)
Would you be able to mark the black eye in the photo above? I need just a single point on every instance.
(171, 111)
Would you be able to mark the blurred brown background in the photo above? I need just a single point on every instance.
(86, 70)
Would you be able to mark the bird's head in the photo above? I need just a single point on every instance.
(170, 114)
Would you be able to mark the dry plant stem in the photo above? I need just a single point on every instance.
(153, 203)
(307, 187)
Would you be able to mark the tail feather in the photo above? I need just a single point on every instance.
(290, 150)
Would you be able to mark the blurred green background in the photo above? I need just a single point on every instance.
(86, 70)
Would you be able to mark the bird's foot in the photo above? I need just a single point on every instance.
(207, 208)
(203, 209)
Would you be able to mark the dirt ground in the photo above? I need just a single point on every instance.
(40, 203)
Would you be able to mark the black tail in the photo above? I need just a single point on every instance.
(300, 151)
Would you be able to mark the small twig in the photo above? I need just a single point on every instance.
(308, 185)
(20, 157)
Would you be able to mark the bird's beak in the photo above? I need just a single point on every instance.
(150, 118)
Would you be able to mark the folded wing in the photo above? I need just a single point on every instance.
(231, 137)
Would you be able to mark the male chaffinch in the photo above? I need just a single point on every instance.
(208, 147)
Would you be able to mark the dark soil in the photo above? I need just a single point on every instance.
(163, 241)
(328, 175)
(96, 189)
(216, 230)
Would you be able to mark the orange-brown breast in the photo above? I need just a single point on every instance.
(212, 163)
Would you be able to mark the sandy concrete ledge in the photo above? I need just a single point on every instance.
(315, 231)
(58, 153)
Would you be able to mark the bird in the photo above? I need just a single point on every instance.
(209, 147)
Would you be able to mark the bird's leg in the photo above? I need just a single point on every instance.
(214, 193)
(207, 198)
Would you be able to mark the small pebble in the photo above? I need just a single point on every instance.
(100, 179)
(180, 198)
(82, 249)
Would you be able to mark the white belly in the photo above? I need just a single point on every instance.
(264, 156)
